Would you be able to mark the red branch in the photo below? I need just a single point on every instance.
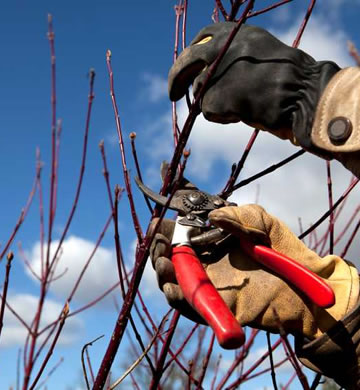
(9, 257)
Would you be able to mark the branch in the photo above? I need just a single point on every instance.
(10, 257)
(83, 350)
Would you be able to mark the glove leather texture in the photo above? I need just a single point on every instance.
(341, 98)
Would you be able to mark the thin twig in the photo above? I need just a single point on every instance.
(242, 378)
(20, 220)
(229, 187)
(16, 315)
(269, 8)
(353, 52)
(9, 258)
(164, 351)
(273, 375)
(238, 359)
(83, 350)
(222, 9)
(18, 362)
(316, 381)
(289, 352)
(139, 359)
(216, 370)
(304, 23)
(52, 346)
(48, 376)
(235, 8)
(206, 362)
(138, 170)
(293, 376)
(351, 239)
(181, 348)
(135, 219)
(327, 213)
(331, 216)
(266, 171)
(91, 97)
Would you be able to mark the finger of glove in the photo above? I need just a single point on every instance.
(165, 271)
(166, 227)
(161, 244)
(252, 221)
(160, 247)
(176, 299)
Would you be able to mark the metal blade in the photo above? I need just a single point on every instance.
(154, 196)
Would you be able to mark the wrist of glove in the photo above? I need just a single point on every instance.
(249, 289)
(336, 128)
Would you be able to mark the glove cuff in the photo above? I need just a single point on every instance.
(336, 128)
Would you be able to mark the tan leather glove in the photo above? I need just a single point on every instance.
(250, 290)
(336, 128)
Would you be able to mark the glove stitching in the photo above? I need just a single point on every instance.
(325, 103)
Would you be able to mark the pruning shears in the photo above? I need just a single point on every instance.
(193, 207)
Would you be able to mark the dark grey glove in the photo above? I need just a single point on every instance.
(260, 81)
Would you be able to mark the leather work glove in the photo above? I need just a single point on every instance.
(274, 87)
(252, 292)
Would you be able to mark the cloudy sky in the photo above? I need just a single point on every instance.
(141, 37)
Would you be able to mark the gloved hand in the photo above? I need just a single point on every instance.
(260, 81)
(248, 288)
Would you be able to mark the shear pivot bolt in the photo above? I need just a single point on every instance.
(339, 130)
(196, 198)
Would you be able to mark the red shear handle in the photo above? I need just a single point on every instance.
(204, 298)
(315, 288)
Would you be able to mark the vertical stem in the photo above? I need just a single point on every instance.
(51, 37)
(304, 23)
(9, 257)
(138, 170)
(178, 12)
(273, 375)
(164, 351)
(331, 221)
(183, 38)
(222, 9)
(41, 210)
(122, 150)
(206, 362)
(216, 372)
(227, 191)
(91, 97)
(351, 239)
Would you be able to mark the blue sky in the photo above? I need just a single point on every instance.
(141, 37)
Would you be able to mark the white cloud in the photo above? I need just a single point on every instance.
(321, 40)
(14, 333)
(100, 275)
(155, 88)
